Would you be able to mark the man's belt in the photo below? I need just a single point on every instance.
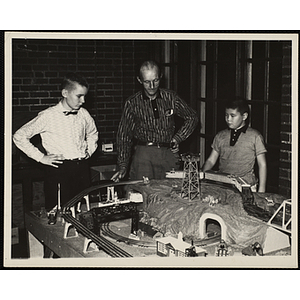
(155, 144)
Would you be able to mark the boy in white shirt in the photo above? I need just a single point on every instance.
(69, 137)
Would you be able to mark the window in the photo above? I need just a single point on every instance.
(161, 248)
(252, 70)
(207, 72)
(166, 54)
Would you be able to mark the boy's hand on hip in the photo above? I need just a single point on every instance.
(52, 160)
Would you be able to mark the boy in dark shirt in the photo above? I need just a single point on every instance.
(238, 147)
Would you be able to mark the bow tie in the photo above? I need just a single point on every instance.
(70, 113)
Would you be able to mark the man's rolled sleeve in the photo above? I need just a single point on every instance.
(190, 118)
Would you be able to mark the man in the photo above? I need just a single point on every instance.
(148, 119)
(69, 137)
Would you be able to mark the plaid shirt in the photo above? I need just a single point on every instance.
(153, 121)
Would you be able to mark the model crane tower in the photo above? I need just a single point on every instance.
(191, 180)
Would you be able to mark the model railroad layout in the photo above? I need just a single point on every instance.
(250, 206)
(94, 223)
(103, 243)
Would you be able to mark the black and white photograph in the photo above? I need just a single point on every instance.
(151, 150)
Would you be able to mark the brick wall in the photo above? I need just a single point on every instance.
(286, 125)
(109, 66)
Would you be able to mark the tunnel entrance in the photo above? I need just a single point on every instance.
(210, 223)
(213, 227)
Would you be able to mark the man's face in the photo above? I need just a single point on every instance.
(74, 98)
(150, 79)
(234, 118)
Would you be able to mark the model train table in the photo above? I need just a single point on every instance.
(162, 212)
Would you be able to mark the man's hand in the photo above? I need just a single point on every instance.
(119, 175)
(174, 146)
(52, 160)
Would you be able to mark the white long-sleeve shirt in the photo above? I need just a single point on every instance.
(73, 136)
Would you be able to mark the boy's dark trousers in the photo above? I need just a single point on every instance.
(73, 176)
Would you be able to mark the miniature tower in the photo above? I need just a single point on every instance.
(190, 184)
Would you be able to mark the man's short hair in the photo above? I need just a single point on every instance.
(71, 78)
(149, 64)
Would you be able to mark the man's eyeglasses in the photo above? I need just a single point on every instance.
(152, 82)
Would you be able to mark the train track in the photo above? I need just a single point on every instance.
(106, 230)
(103, 243)
(208, 241)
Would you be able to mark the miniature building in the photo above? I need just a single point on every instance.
(175, 247)
(135, 197)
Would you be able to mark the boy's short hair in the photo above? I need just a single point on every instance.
(240, 104)
(71, 78)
